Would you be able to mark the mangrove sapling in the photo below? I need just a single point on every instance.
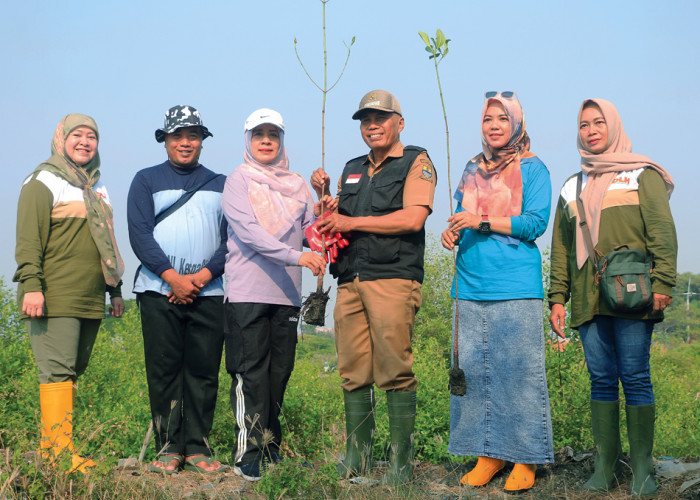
(314, 306)
(438, 48)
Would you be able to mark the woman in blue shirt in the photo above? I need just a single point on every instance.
(504, 200)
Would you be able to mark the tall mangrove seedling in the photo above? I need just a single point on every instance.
(438, 48)
(314, 307)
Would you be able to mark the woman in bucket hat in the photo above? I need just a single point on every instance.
(67, 258)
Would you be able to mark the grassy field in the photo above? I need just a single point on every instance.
(112, 412)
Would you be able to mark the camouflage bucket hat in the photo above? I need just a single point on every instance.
(178, 117)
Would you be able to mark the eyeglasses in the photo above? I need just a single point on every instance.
(507, 94)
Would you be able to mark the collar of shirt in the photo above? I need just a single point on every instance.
(395, 152)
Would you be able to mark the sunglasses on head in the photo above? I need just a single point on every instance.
(508, 94)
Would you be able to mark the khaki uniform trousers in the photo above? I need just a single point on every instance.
(373, 331)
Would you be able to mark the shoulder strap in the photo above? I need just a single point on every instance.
(587, 240)
(414, 148)
(183, 199)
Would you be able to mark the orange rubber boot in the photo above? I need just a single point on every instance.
(56, 402)
(485, 469)
(522, 477)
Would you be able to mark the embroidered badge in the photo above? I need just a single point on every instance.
(353, 179)
(427, 172)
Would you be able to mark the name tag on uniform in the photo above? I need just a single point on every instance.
(353, 179)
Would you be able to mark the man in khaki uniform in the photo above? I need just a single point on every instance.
(384, 199)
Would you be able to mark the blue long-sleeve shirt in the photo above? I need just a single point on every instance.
(191, 238)
(490, 269)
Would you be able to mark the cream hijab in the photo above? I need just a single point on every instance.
(602, 168)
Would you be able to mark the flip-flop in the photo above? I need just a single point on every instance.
(192, 461)
(166, 459)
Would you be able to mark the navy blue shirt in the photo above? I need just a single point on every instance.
(192, 237)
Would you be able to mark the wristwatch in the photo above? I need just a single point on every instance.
(485, 225)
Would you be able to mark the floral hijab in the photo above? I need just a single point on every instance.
(277, 195)
(602, 168)
(99, 214)
(492, 183)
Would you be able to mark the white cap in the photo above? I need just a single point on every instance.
(261, 116)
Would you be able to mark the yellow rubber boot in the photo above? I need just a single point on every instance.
(522, 477)
(56, 402)
(485, 469)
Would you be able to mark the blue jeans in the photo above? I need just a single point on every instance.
(618, 349)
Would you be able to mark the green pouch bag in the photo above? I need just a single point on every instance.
(624, 278)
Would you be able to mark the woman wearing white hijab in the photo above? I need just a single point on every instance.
(267, 208)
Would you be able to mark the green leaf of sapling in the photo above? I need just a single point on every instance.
(425, 38)
(440, 38)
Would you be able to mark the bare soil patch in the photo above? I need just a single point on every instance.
(561, 480)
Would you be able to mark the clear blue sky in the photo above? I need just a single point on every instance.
(126, 62)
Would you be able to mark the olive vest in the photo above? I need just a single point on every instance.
(378, 256)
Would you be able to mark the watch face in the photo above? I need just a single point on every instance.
(484, 226)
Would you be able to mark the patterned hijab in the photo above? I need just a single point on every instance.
(277, 195)
(602, 168)
(99, 214)
(492, 183)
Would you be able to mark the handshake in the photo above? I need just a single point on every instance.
(332, 242)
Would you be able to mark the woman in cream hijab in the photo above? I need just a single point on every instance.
(625, 197)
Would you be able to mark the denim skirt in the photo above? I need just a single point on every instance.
(505, 412)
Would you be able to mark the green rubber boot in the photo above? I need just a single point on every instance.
(605, 417)
(402, 419)
(359, 425)
(640, 431)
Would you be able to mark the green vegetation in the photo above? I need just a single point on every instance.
(112, 411)
(682, 322)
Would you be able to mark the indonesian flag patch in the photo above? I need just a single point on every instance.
(353, 179)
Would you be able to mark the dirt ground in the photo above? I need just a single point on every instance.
(561, 480)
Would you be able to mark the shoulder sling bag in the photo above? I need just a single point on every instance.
(623, 275)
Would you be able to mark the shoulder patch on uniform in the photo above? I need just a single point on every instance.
(427, 171)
